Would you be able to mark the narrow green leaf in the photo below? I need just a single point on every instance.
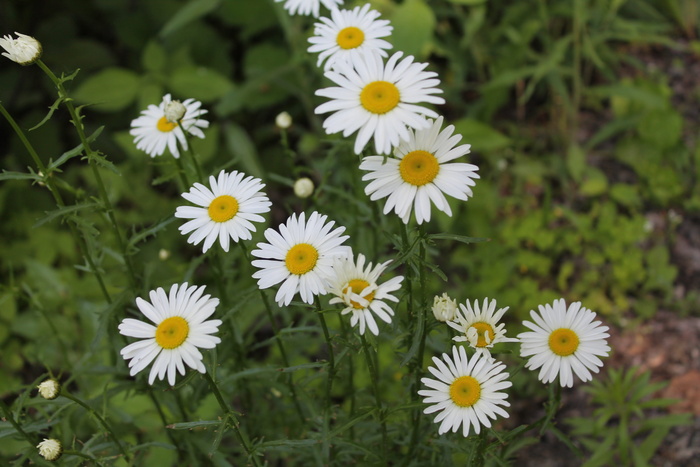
(51, 215)
(191, 425)
(457, 238)
(76, 151)
(7, 175)
(48, 115)
(349, 424)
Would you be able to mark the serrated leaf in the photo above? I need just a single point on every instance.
(7, 175)
(48, 115)
(76, 151)
(51, 215)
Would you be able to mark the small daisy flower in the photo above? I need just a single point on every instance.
(153, 132)
(563, 340)
(49, 389)
(50, 449)
(444, 308)
(349, 33)
(300, 256)
(226, 211)
(178, 329)
(466, 392)
(355, 286)
(24, 50)
(379, 99)
(308, 7)
(480, 326)
(419, 174)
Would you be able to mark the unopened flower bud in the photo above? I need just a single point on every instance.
(163, 254)
(174, 111)
(283, 121)
(24, 50)
(444, 308)
(303, 187)
(49, 389)
(50, 449)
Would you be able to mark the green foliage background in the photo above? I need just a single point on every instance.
(577, 140)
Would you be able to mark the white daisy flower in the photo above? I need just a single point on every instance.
(349, 33)
(563, 340)
(178, 329)
(355, 286)
(300, 255)
(379, 99)
(419, 174)
(153, 132)
(226, 212)
(466, 392)
(50, 449)
(24, 50)
(480, 326)
(308, 7)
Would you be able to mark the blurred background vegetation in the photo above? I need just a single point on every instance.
(582, 115)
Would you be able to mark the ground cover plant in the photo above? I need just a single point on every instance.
(315, 232)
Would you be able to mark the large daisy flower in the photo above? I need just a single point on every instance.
(226, 212)
(420, 174)
(349, 33)
(563, 340)
(300, 256)
(355, 286)
(153, 132)
(176, 330)
(479, 326)
(308, 7)
(466, 392)
(379, 99)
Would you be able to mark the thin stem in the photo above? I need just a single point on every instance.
(374, 376)
(15, 425)
(71, 452)
(190, 152)
(182, 173)
(99, 418)
(329, 382)
(350, 389)
(242, 436)
(422, 323)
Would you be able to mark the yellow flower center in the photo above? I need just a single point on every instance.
(481, 329)
(357, 286)
(301, 258)
(165, 126)
(465, 391)
(419, 167)
(350, 38)
(379, 97)
(172, 332)
(223, 208)
(563, 342)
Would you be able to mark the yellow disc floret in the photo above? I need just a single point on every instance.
(465, 391)
(357, 286)
(563, 342)
(301, 258)
(165, 126)
(172, 332)
(350, 38)
(482, 329)
(223, 208)
(419, 167)
(379, 97)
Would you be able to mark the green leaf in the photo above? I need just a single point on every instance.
(109, 90)
(414, 23)
(576, 162)
(241, 146)
(626, 195)
(153, 58)
(284, 444)
(7, 175)
(51, 215)
(457, 238)
(481, 136)
(190, 425)
(76, 151)
(191, 11)
(48, 115)
(661, 129)
(200, 83)
(594, 184)
(643, 96)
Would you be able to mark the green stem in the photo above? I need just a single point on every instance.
(422, 323)
(48, 180)
(329, 382)
(350, 389)
(71, 452)
(182, 173)
(374, 376)
(99, 418)
(8, 416)
(190, 152)
(91, 155)
(235, 424)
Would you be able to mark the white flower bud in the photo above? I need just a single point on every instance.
(444, 308)
(283, 121)
(49, 389)
(24, 50)
(303, 187)
(163, 254)
(174, 111)
(50, 449)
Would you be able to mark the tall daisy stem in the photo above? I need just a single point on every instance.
(422, 323)
(235, 424)
(329, 381)
(101, 420)
(374, 376)
(190, 152)
(8, 416)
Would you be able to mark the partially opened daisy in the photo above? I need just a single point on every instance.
(355, 286)
(379, 100)
(420, 173)
(348, 33)
(226, 211)
(153, 132)
(466, 392)
(176, 330)
(564, 341)
(24, 50)
(479, 326)
(300, 256)
(308, 7)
